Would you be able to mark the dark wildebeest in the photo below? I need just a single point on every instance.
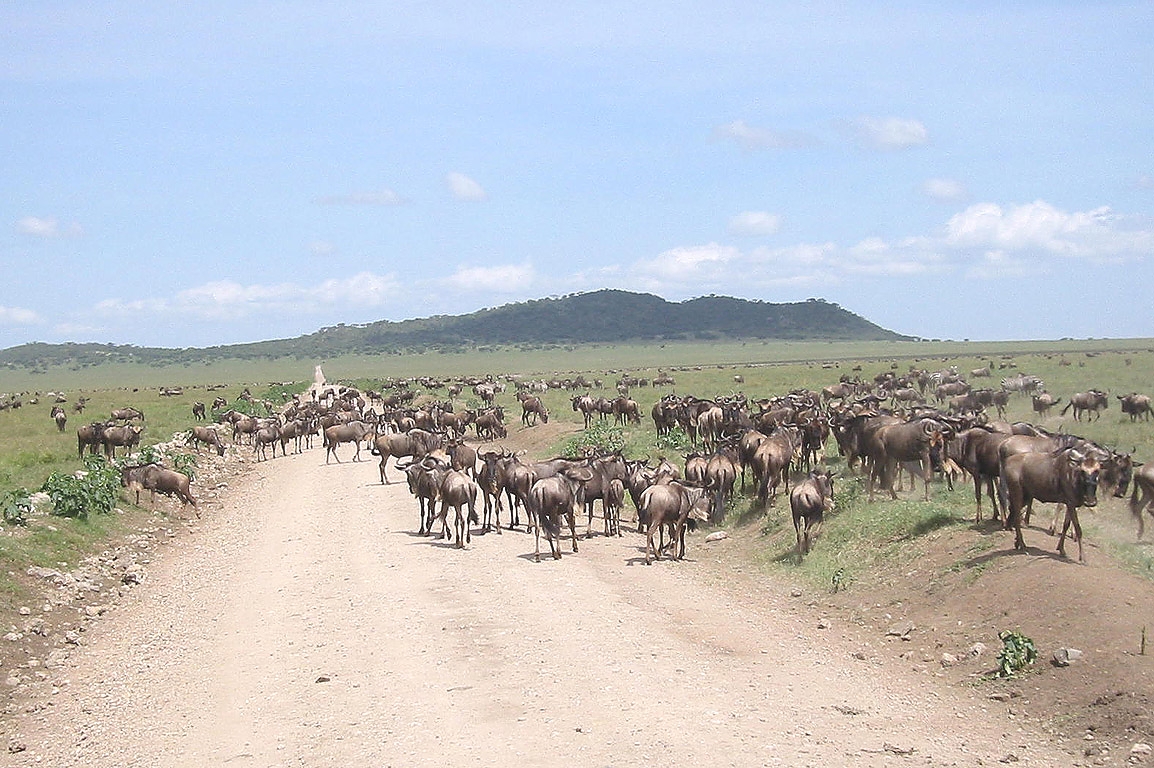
(1092, 401)
(90, 436)
(127, 436)
(490, 425)
(457, 490)
(552, 500)
(604, 470)
(905, 444)
(491, 480)
(720, 476)
(809, 501)
(59, 416)
(675, 507)
(1133, 404)
(1066, 476)
(531, 409)
(417, 443)
(153, 478)
(771, 462)
(423, 486)
(199, 412)
(353, 432)
(1142, 499)
(977, 453)
(269, 434)
(206, 435)
(613, 502)
(587, 406)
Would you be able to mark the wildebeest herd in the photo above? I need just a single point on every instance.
(932, 426)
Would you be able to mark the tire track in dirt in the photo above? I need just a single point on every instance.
(306, 625)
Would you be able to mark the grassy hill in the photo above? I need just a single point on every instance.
(608, 316)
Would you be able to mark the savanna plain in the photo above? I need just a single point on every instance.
(296, 617)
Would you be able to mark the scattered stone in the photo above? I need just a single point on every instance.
(134, 575)
(858, 655)
(1140, 749)
(323, 679)
(795, 592)
(949, 659)
(15, 746)
(1064, 657)
(999, 696)
(901, 629)
(72, 637)
(823, 624)
(25, 611)
(977, 649)
(717, 536)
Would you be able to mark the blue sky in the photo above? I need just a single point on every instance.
(213, 173)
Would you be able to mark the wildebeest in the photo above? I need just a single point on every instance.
(127, 414)
(127, 437)
(674, 506)
(553, 500)
(1134, 405)
(1066, 476)
(531, 409)
(269, 434)
(199, 411)
(153, 477)
(457, 490)
(771, 462)
(1043, 402)
(416, 443)
(89, 436)
(809, 501)
(353, 432)
(1092, 401)
(206, 435)
(903, 444)
(423, 486)
(1142, 499)
(977, 453)
(59, 416)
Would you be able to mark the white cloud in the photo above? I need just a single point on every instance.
(689, 266)
(944, 190)
(751, 138)
(17, 316)
(384, 197)
(464, 188)
(48, 228)
(890, 132)
(229, 300)
(504, 278)
(1040, 228)
(754, 223)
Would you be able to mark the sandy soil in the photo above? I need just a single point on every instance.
(302, 622)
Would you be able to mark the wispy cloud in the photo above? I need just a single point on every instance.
(890, 133)
(751, 138)
(754, 223)
(944, 190)
(502, 278)
(48, 228)
(229, 300)
(383, 197)
(17, 316)
(464, 188)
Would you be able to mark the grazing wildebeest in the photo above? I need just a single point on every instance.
(1092, 401)
(1066, 476)
(353, 432)
(206, 435)
(127, 414)
(531, 409)
(59, 416)
(153, 477)
(673, 506)
(809, 501)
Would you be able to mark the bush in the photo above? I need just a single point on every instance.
(78, 495)
(17, 506)
(1018, 652)
(600, 438)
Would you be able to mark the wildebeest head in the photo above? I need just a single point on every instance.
(1085, 470)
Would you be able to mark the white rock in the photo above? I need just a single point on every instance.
(717, 536)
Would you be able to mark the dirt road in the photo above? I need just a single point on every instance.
(305, 624)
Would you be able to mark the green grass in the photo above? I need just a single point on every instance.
(858, 540)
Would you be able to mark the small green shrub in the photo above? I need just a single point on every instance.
(17, 506)
(675, 441)
(78, 495)
(185, 463)
(1018, 652)
(601, 438)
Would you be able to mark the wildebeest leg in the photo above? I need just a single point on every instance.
(571, 519)
(1071, 517)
